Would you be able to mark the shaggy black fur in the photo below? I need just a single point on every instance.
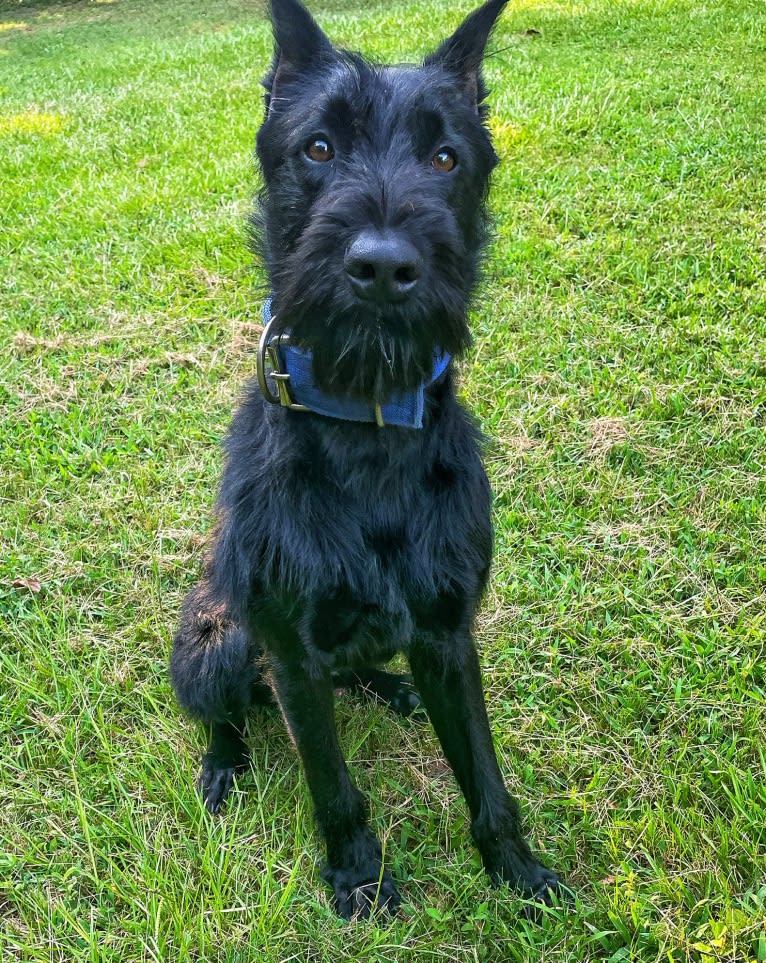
(340, 544)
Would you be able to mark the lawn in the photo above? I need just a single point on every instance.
(619, 372)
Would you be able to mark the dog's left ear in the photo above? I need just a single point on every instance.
(463, 52)
(300, 44)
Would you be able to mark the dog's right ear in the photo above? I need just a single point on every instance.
(299, 44)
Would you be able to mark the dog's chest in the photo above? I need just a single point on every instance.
(401, 559)
(401, 534)
(356, 537)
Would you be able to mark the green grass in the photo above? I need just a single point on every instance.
(619, 369)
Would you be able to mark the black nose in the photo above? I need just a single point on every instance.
(382, 267)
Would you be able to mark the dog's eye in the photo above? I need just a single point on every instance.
(444, 160)
(320, 150)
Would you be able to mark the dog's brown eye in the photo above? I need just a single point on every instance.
(320, 150)
(444, 160)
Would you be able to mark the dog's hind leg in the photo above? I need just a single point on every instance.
(397, 691)
(215, 672)
(226, 756)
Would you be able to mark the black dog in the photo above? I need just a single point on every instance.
(358, 527)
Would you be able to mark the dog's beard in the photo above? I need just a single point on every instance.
(369, 353)
(361, 357)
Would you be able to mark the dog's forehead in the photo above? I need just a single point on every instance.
(384, 97)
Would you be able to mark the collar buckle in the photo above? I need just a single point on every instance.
(268, 364)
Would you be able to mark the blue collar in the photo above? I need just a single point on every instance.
(285, 375)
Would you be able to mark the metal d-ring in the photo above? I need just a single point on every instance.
(260, 364)
(277, 373)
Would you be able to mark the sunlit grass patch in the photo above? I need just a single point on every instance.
(507, 136)
(31, 122)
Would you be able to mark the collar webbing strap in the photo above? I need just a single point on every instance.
(285, 375)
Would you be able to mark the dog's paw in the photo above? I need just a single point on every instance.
(403, 697)
(215, 781)
(356, 900)
(536, 883)
(397, 691)
(546, 890)
(368, 899)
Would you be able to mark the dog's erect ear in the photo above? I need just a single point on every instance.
(462, 53)
(299, 43)
(298, 38)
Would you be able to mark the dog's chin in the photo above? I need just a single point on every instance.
(368, 358)
(371, 372)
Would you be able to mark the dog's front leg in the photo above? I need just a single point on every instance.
(354, 859)
(446, 672)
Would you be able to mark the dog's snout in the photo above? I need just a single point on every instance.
(383, 267)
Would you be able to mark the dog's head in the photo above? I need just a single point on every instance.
(372, 216)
